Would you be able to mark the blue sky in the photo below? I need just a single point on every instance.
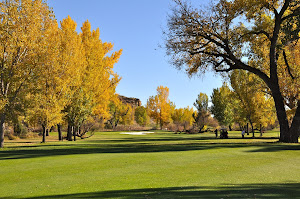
(136, 26)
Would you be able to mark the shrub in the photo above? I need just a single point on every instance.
(8, 132)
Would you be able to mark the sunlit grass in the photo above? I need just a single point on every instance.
(159, 165)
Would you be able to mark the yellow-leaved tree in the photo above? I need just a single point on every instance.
(100, 79)
(97, 82)
(160, 107)
(63, 68)
(183, 118)
(120, 113)
(63, 74)
(72, 61)
(21, 33)
(252, 105)
(46, 105)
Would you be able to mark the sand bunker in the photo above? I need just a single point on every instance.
(137, 133)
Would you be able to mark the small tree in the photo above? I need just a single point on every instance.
(221, 105)
(202, 113)
(183, 117)
(141, 116)
(160, 107)
(119, 113)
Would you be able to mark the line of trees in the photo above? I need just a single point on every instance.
(241, 106)
(237, 104)
(50, 74)
(165, 113)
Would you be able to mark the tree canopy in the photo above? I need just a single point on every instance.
(222, 108)
(202, 110)
(260, 37)
(160, 107)
(52, 73)
(250, 104)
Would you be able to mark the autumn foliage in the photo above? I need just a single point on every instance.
(260, 37)
(51, 72)
(160, 106)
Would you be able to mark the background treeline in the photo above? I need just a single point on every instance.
(241, 104)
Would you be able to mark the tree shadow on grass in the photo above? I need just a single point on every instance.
(139, 147)
(195, 138)
(275, 148)
(288, 190)
(102, 148)
(141, 138)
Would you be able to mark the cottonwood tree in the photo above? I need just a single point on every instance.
(160, 107)
(222, 108)
(23, 28)
(99, 77)
(49, 98)
(120, 113)
(53, 68)
(183, 117)
(188, 118)
(202, 109)
(216, 38)
(97, 81)
(62, 70)
(72, 62)
(252, 104)
(141, 116)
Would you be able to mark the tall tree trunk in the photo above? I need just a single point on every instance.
(160, 120)
(69, 134)
(2, 120)
(287, 134)
(247, 128)
(60, 138)
(79, 132)
(74, 132)
(252, 128)
(260, 130)
(295, 127)
(241, 127)
(44, 134)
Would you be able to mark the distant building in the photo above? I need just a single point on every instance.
(134, 102)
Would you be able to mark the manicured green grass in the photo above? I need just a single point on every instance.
(159, 165)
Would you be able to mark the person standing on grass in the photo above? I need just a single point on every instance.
(243, 133)
(216, 132)
(226, 134)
